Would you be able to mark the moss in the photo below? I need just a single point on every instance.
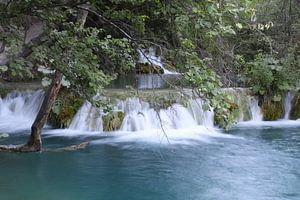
(272, 110)
(7, 87)
(64, 109)
(239, 104)
(295, 111)
(158, 98)
(113, 121)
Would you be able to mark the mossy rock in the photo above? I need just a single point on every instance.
(145, 68)
(239, 104)
(272, 110)
(295, 110)
(159, 98)
(113, 120)
(7, 87)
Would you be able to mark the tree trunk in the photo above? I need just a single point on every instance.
(34, 142)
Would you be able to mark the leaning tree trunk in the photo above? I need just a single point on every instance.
(34, 142)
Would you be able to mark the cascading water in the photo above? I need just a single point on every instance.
(19, 109)
(149, 56)
(201, 116)
(22, 108)
(139, 116)
(288, 104)
(88, 118)
(256, 114)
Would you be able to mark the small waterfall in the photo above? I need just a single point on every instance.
(19, 109)
(288, 104)
(256, 114)
(139, 116)
(88, 118)
(202, 117)
(149, 56)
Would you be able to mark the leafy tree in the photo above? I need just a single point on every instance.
(67, 44)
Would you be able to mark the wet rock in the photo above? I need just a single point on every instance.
(295, 110)
(113, 121)
(146, 68)
(272, 110)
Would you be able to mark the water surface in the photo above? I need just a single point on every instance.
(254, 163)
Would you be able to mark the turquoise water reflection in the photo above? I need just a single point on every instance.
(259, 164)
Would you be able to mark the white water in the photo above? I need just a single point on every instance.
(256, 113)
(139, 116)
(88, 118)
(19, 109)
(288, 104)
(149, 56)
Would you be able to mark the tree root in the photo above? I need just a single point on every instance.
(25, 148)
(80, 146)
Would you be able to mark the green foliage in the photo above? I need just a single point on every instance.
(88, 57)
(81, 56)
(267, 76)
(112, 121)
(64, 109)
(208, 86)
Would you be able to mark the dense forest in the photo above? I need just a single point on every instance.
(84, 45)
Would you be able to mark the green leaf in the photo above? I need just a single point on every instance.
(3, 68)
(239, 25)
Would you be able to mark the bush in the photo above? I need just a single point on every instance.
(267, 76)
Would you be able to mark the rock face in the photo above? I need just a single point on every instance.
(113, 121)
(146, 68)
(34, 30)
(240, 98)
(295, 111)
(272, 110)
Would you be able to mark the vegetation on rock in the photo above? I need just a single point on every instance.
(272, 110)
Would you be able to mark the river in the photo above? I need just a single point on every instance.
(249, 162)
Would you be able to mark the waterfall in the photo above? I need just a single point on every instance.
(88, 118)
(139, 116)
(247, 105)
(149, 56)
(256, 114)
(202, 117)
(19, 109)
(288, 104)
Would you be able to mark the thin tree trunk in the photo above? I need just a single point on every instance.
(34, 142)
